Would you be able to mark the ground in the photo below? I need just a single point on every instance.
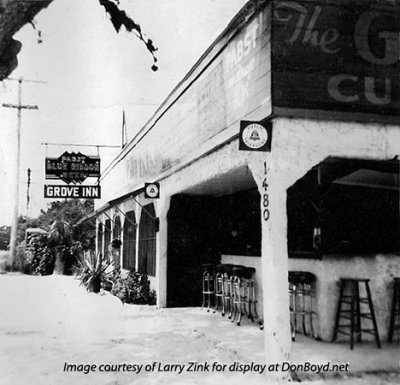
(47, 322)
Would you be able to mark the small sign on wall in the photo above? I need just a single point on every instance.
(152, 190)
(255, 136)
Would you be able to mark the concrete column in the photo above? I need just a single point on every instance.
(274, 262)
(162, 247)
(138, 213)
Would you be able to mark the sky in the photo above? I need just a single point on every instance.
(91, 75)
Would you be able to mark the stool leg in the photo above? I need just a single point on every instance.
(231, 294)
(313, 333)
(209, 295)
(292, 294)
(204, 295)
(339, 308)
(253, 302)
(223, 295)
(217, 292)
(352, 315)
(358, 312)
(395, 305)
(304, 306)
(239, 304)
(371, 307)
(234, 302)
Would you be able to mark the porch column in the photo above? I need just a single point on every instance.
(162, 246)
(274, 262)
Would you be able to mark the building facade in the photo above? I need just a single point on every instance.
(324, 199)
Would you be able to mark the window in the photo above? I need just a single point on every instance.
(100, 238)
(129, 247)
(147, 241)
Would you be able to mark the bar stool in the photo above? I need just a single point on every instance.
(208, 284)
(350, 295)
(219, 288)
(395, 314)
(301, 298)
(224, 283)
(244, 296)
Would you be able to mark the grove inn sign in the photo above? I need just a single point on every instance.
(337, 56)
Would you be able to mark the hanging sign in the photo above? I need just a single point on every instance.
(73, 167)
(152, 190)
(59, 191)
(255, 136)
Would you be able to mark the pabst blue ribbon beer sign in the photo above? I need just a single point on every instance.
(72, 167)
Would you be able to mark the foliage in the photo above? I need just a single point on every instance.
(60, 234)
(71, 212)
(135, 289)
(95, 270)
(71, 256)
(119, 18)
(5, 232)
(40, 255)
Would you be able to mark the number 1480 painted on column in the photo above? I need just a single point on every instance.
(265, 197)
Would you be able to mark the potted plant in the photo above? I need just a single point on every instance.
(95, 271)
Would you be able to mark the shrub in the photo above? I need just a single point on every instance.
(40, 256)
(72, 255)
(134, 289)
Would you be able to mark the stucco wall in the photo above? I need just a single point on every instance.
(380, 269)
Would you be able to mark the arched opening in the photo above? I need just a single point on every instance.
(217, 221)
(147, 241)
(129, 244)
(117, 228)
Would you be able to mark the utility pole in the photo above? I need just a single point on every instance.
(27, 196)
(19, 107)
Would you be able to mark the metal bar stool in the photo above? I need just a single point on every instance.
(350, 295)
(395, 314)
(301, 298)
(244, 297)
(208, 284)
(227, 288)
(219, 288)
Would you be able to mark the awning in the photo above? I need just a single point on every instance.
(109, 205)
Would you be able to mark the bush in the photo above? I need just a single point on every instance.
(72, 256)
(134, 289)
(40, 256)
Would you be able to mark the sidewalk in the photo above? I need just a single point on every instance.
(49, 323)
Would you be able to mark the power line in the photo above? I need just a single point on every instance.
(80, 145)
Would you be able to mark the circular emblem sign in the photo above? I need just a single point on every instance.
(255, 136)
(152, 190)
